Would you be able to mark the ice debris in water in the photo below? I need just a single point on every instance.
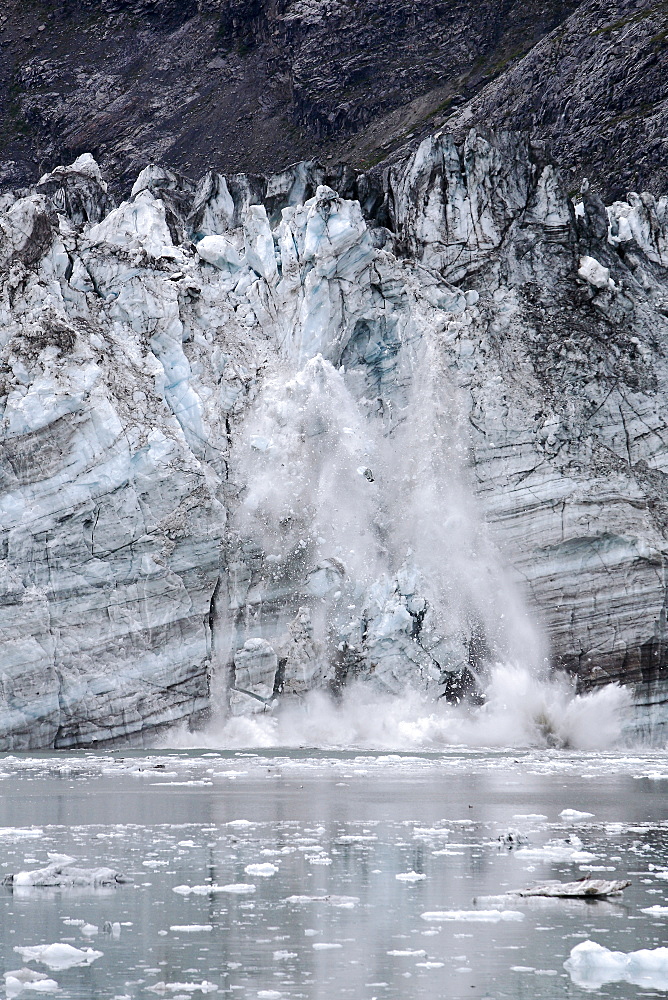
(190, 928)
(58, 955)
(569, 849)
(408, 953)
(591, 965)
(473, 916)
(203, 987)
(410, 876)
(264, 870)
(25, 979)
(583, 888)
(574, 815)
(65, 875)
(206, 890)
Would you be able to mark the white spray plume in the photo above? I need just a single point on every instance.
(521, 711)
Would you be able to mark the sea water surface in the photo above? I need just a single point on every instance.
(311, 875)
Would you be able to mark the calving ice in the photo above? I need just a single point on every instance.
(320, 434)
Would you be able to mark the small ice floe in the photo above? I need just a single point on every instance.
(89, 930)
(656, 911)
(588, 888)
(21, 833)
(58, 956)
(207, 890)
(203, 987)
(190, 928)
(340, 902)
(410, 877)
(407, 953)
(569, 849)
(284, 956)
(269, 994)
(25, 979)
(574, 815)
(356, 839)
(591, 965)
(66, 876)
(265, 870)
(473, 916)
(325, 946)
(429, 965)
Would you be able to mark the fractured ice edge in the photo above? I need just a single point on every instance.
(289, 431)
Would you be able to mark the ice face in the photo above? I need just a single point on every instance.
(259, 445)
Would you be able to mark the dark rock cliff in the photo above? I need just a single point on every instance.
(242, 84)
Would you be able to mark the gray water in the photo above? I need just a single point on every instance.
(340, 828)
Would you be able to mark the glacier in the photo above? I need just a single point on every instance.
(264, 435)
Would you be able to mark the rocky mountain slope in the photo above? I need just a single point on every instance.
(255, 84)
(287, 430)
(597, 88)
(242, 84)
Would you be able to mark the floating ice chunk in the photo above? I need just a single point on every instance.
(25, 979)
(269, 994)
(410, 877)
(240, 823)
(89, 929)
(283, 956)
(361, 839)
(203, 987)
(21, 833)
(265, 870)
(473, 916)
(325, 945)
(58, 956)
(574, 815)
(591, 965)
(558, 850)
(340, 902)
(398, 953)
(190, 928)
(583, 888)
(429, 965)
(60, 859)
(593, 272)
(656, 911)
(65, 875)
(206, 890)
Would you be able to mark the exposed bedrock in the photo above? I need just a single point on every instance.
(293, 429)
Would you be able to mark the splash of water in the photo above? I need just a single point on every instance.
(520, 710)
(358, 560)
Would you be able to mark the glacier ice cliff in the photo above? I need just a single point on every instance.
(266, 434)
